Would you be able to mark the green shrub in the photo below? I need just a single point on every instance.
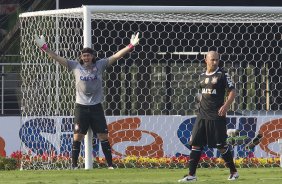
(8, 163)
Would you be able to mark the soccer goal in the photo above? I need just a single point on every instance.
(150, 94)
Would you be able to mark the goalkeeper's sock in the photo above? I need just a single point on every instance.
(195, 156)
(106, 147)
(75, 152)
(228, 158)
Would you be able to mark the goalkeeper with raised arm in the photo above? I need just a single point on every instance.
(89, 94)
(210, 127)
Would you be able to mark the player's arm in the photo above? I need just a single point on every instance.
(230, 98)
(231, 95)
(133, 42)
(41, 43)
(56, 57)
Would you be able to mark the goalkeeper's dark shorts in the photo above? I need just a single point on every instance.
(209, 132)
(92, 116)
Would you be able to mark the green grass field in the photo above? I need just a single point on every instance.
(141, 176)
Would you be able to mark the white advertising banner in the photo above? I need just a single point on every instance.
(9, 134)
(153, 136)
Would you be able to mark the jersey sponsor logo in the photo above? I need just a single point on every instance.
(214, 80)
(208, 91)
(88, 78)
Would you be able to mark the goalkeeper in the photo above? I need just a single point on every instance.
(89, 94)
(210, 126)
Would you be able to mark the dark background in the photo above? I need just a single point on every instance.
(78, 3)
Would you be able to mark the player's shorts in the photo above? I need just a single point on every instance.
(86, 116)
(209, 132)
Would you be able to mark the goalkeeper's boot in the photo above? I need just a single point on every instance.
(187, 178)
(233, 176)
(74, 166)
(111, 167)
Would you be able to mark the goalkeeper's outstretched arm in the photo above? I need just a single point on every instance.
(133, 42)
(41, 43)
(53, 55)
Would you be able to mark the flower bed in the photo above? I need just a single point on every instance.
(45, 161)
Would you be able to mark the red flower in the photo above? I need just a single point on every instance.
(17, 155)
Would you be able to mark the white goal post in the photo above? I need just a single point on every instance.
(73, 29)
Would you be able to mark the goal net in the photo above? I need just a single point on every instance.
(150, 94)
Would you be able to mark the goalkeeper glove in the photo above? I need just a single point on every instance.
(232, 132)
(40, 42)
(134, 41)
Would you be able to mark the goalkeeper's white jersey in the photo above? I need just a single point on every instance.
(89, 82)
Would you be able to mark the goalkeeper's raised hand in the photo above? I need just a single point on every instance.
(40, 42)
(134, 40)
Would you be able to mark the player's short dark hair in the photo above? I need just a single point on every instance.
(90, 51)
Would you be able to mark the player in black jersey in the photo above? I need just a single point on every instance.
(210, 126)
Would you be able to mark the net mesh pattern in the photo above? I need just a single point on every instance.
(160, 76)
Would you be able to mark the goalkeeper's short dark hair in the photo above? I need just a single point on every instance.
(87, 50)
(90, 51)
